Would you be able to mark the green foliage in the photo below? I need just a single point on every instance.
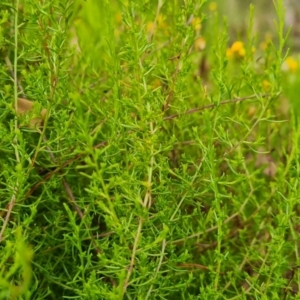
(167, 163)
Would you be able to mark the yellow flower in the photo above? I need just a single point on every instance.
(237, 50)
(118, 18)
(241, 52)
(265, 44)
(200, 43)
(160, 24)
(213, 6)
(156, 83)
(161, 21)
(237, 46)
(251, 111)
(290, 64)
(150, 26)
(196, 24)
(266, 85)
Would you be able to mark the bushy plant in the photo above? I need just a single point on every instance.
(146, 153)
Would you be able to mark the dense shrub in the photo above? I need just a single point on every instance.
(156, 155)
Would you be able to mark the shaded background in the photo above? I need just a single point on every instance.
(237, 14)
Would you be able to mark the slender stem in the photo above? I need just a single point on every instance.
(15, 142)
(16, 76)
(159, 6)
(16, 62)
(197, 109)
(10, 207)
(163, 247)
(135, 245)
(146, 203)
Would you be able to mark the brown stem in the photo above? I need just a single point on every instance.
(197, 109)
(291, 278)
(9, 210)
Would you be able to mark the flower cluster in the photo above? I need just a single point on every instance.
(200, 42)
(160, 24)
(237, 50)
(290, 64)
